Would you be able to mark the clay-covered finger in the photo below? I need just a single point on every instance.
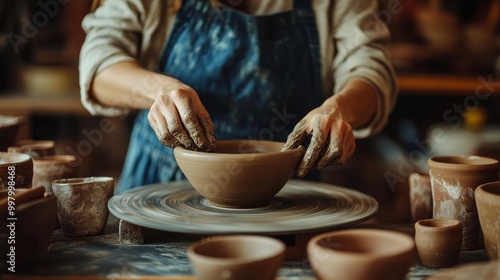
(191, 124)
(159, 126)
(315, 147)
(208, 129)
(332, 152)
(296, 137)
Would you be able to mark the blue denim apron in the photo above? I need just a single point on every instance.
(256, 75)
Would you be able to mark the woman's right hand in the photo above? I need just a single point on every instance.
(179, 119)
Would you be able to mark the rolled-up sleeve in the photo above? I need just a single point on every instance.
(113, 35)
(360, 39)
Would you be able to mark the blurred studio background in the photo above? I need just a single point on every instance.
(446, 53)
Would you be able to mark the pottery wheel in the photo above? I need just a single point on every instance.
(301, 206)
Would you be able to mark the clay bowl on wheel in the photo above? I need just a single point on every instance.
(240, 173)
(360, 254)
(238, 257)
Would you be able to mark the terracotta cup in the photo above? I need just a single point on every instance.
(453, 181)
(16, 171)
(34, 148)
(237, 257)
(50, 168)
(420, 196)
(83, 204)
(488, 208)
(360, 254)
(438, 241)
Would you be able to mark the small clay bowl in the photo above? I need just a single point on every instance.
(16, 171)
(9, 127)
(238, 257)
(359, 254)
(50, 168)
(240, 173)
(438, 241)
(34, 148)
(488, 208)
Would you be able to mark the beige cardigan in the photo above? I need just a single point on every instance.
(352, 44)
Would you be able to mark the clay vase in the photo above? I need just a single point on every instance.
(34, 148)
(238, 257)
(488, 208)
(9, 128)
(16, 171)
(50, 168)
(453, 181)
(420, 196)
(83, 204)
(438, 241)
(360, 254)
(240, 173)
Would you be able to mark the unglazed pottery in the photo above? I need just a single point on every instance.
(240, 173)
(475, 271)
(359, 254)
(420, 196)
(438, 241)
(83, 204)
(33, 228)
(9, 127)
(488, 208)
(50, 168)
(16, 171)
(453, 180)
(239, 257)
(301, 206)
(34, 148)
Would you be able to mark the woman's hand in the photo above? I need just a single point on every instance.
(179, 119)
(332, 139)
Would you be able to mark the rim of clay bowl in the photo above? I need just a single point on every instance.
(405, 242)
(460, 162)
(438, 224)
(199, 154)
(7, 121)
(10, 158)
(232, 239)
(492, 188)
(54, 159)
(82, 180)
(34, 143)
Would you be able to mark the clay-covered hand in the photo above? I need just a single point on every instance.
(332, 139)
(179, 119)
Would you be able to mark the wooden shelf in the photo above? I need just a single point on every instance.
(448, 85)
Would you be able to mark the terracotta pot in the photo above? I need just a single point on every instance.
(420, 196)
(9, 128)
(16, 171)
(488, 208)
(238, 257)
(359, 254)
(83, 204)
(240, 173)
(50, 168)
(438, 241)
(34, 148)
(453, 180)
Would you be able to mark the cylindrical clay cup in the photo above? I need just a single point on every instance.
(16, 171)
(453, 181)
(50, 168)
(438, 241)
(488, 208)
(83, 204)
(420, 196)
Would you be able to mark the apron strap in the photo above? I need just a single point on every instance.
(302, 4)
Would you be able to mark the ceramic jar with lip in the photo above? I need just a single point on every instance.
(34, 148)
(49, 168)
(453, 181)
(488, 208)
(438, 241)
(360, 254)
(420, 196)
(16, 171)
(83, 204)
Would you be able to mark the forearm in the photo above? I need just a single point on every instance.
(356, 103)
(128, 85)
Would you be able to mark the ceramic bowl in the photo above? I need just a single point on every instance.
(9, 127)
(16, 171)
(33, 229)
(240, 173)
(359, 254)
(34, 148)
(237, 257)
(488, 207)
(438, 241)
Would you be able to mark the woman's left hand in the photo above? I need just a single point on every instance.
(332, 139)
